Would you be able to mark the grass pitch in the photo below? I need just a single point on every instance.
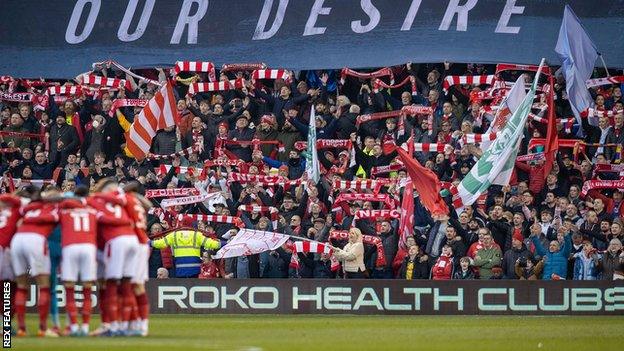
(326, 332)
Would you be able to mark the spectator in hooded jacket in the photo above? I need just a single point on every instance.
(586, 264)
(556, 256)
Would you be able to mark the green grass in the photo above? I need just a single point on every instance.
(275, 332)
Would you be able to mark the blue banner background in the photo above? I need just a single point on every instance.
(33, 34)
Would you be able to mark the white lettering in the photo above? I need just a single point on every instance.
(510, 9)
(459, 298)
(515, 307)
(362, 301)
(173, 293)
(317, 9)
(490, 307)
(614, 296)
(263, 290)
(330, 302)
(122, 33)
(260, 33)
(225, 297)
(372, 12)
(70, 34)
(563, 307)
(462, 15)
(586, 299)
(192, 21)
(411, 14)
(316, 297)
(204, 289)
(393, 307)
(417, 293)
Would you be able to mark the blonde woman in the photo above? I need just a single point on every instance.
(352, 255)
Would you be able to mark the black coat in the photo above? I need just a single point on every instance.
(421, 269)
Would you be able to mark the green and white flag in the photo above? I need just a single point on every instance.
(312, 163)
(497, 162)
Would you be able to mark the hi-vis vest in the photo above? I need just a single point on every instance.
(186, 248)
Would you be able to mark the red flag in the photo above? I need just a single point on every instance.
(426, 183)
(552, 138)
(406, 223)
(410, 144)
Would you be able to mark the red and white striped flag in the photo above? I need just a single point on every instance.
(160, 112)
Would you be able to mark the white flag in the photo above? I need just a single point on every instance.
(313, 169)
(250, 242)
(510, 104)
(497, 162)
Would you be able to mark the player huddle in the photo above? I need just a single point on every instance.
(103, 239)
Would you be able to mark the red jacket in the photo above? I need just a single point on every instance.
(537, 178)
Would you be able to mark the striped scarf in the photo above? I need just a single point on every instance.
(92, 79)
(174, 192)
(212, 218)
(196, 66)
(274, 213)
(223, 85)
(471, 80)
(367, 240)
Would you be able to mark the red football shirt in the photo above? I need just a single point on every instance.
(8, 218)
(40, 218)
(78, 223)
(113, 218)
(137, 214)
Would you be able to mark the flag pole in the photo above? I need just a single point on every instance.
(604, 64)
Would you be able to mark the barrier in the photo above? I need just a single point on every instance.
(416, 297)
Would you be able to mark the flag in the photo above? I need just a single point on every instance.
(510, 104)
(312, 163)
(552, 137)
(406, 222)
(426, 183)
(496, 164)
(159, 113)
(578, 55)
(313, 246)
(250, 242)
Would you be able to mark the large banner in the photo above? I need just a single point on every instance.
(61, 38)
(417, 297)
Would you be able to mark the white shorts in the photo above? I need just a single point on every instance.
(120, 256)
(6, 268)
(30, 251)
(141, 271)
(99, 257)
(78, 262)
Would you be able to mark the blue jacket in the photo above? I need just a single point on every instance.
(585, 268)
(555, 262)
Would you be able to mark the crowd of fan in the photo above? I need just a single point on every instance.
(538, 227)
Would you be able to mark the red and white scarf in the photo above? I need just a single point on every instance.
(430, 147)
(592, 112)
(196, 66)
(212, 218)
(109, 63)
(173, 192)
(16, 97)
(92, 79)
(242, 66)
(117, 103)
(72, 90)
(596, 82)
(375, 171)
(601, 184)
(376, 74)
(270, 74)
(361, 184)
(187, 200)
(477, 138)
(347, 197)
(530, 157)
(380, 84)
(471, 80)
(376, 116)
(216, 86)
(263, 180)
(384, 214)
(312, 247)
(222, 163)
